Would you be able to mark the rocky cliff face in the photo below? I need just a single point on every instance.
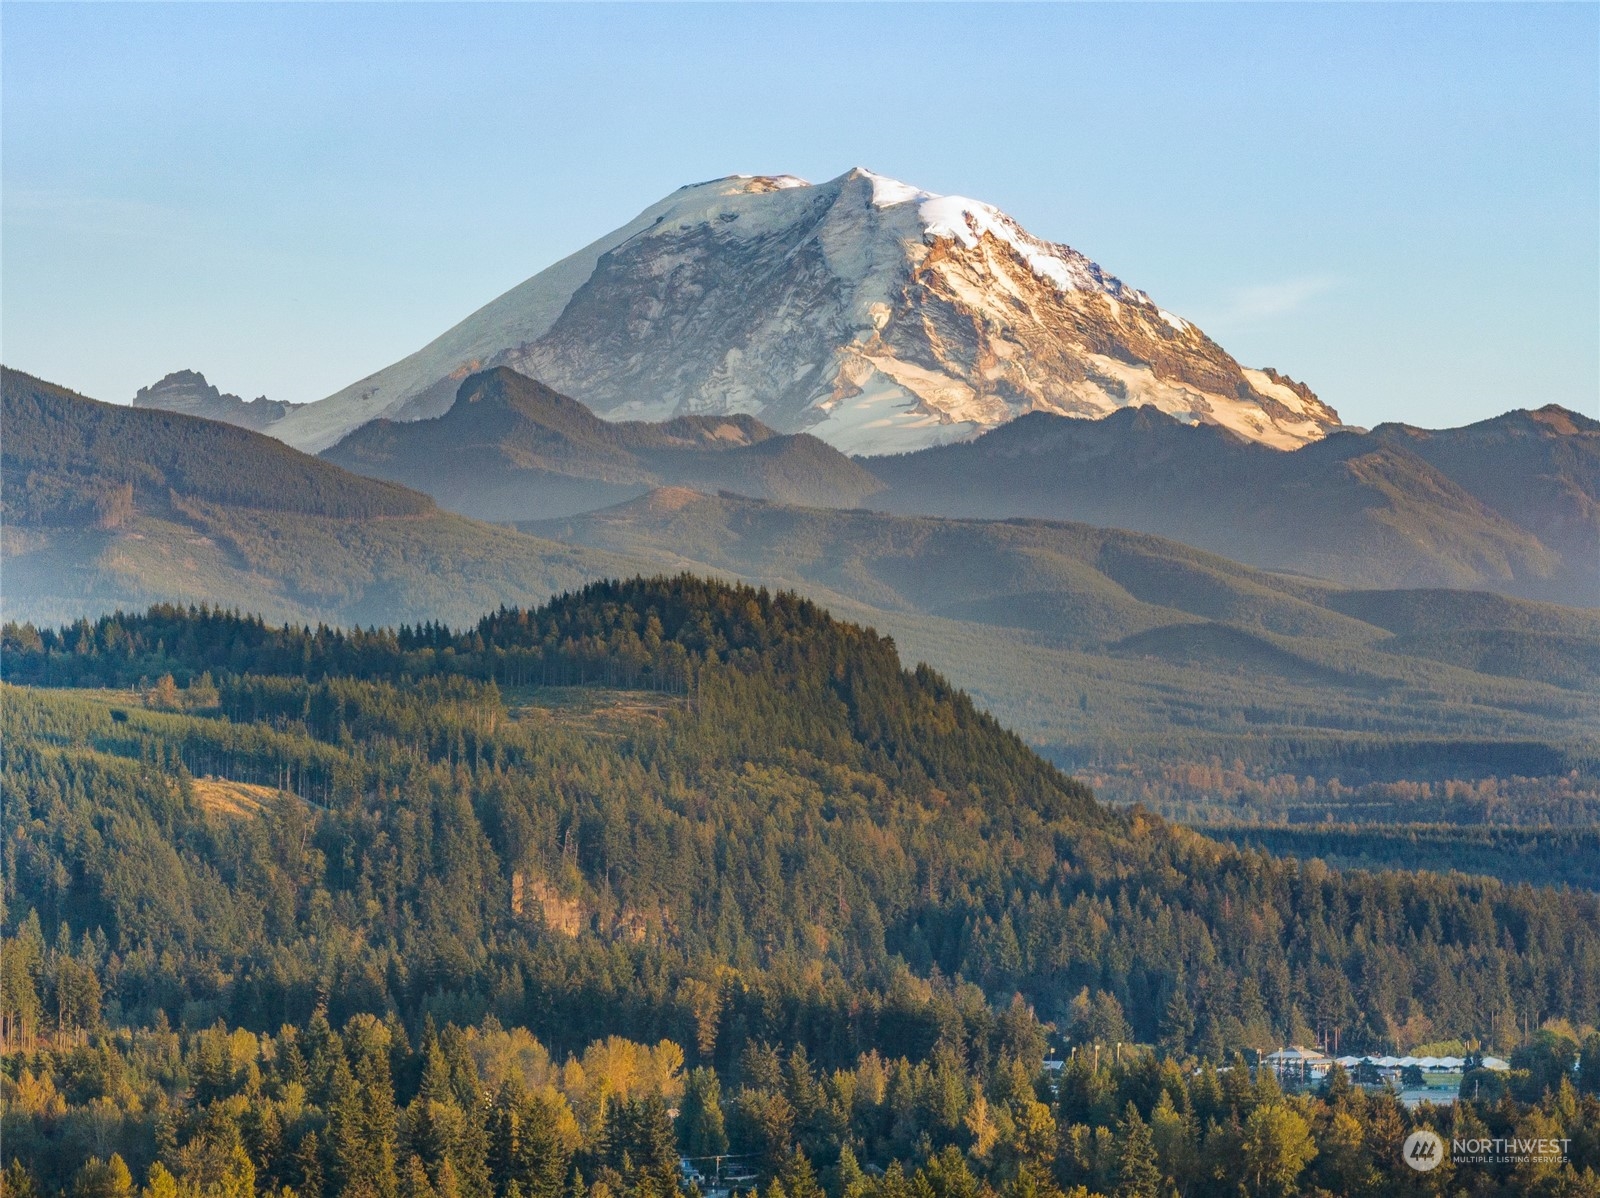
(187, 392)
(878, 317)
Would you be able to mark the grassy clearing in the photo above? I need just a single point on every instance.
(589, 710)
(236, 800)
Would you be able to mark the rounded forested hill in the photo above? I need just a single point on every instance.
(65, 455)
(595, 817)
(792, 678)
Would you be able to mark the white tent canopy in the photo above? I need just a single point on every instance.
(1429, 1064)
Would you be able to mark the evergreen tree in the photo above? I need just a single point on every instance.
(1138, 1173)
(947, 1175)
(17, 1182)
(702, 1129)
(308, 1166)
(1177, 1023)
(798, 1179)
(655, 1151)
(414, 1182)
(850, 1181)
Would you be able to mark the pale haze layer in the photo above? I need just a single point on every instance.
(1395, 204)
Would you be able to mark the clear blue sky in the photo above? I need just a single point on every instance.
(1396, 204)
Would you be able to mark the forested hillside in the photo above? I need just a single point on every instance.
(681, 811)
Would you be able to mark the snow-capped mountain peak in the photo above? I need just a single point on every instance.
(969, 221)
(877, 315)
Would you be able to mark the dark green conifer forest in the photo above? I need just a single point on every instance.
(668, 867)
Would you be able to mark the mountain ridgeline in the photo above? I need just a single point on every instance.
(70, 458)
(188, 392)
(1511, 504)
(1540, 469)
(510, 446)
(1398, 507)
(108, 506)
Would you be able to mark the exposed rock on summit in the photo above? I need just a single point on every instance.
(187, 392)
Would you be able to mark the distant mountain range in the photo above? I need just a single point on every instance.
(1510, 504)
(1539, 469)
(875, 315)
(110, 507)
(187, 391)
(1084, 586)
(509, 448)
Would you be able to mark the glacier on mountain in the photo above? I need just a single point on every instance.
(878, 316)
